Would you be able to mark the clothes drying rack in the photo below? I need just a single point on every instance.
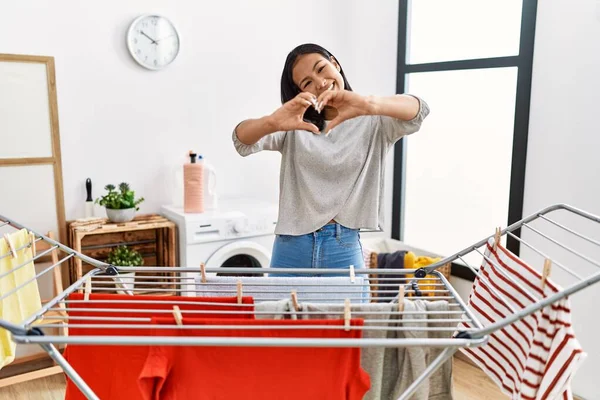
(552, 233)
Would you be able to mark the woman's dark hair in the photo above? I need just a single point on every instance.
(289, 90)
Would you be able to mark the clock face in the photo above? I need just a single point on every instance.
(153, 41)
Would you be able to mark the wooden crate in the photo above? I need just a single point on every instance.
(154, 236)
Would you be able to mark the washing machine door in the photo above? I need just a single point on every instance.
(240, 254)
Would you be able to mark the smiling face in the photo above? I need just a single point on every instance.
(316, 74)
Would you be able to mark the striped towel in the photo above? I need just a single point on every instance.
(537, 356)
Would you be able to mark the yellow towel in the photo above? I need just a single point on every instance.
(24, 302)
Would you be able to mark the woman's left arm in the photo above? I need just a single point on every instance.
(351, 104)
(404, 107)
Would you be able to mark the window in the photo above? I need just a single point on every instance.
(463, 173)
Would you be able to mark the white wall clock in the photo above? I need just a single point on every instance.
(153, 41)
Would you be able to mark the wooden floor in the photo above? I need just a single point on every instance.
(469, 383)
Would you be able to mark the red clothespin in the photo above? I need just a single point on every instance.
(203, 272)
(11, 246)
(347, 315)
(546, 271)
(294, 296)
(239, 292)
(497, 237)
(178, 316)
(401, 298)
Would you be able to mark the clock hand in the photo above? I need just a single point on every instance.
(153, 41)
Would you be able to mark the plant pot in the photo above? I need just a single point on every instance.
(127, 280)
(122, 215)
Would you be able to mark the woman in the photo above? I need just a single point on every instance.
(333, 143)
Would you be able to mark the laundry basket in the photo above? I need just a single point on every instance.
(374, 247)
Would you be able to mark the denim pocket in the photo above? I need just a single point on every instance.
(348, 238)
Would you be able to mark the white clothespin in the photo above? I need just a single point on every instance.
(352, 274)
(347, 315)
(401, 298)
(32, 238)
(294, 296)
(496, 239)
(203, 272)
(178, 316)
(239, 292)
(546, 271)
(11, 246)
(88, 288)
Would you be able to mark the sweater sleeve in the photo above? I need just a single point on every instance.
(393, 128)
(154, 374)
(273, 141)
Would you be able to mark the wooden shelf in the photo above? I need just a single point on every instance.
(153, 236)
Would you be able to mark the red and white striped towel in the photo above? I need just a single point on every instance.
(535, 357)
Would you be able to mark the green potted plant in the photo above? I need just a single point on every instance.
(123, 256)
(120, 204)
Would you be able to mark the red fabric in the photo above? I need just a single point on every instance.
(112, 371)
(291, 373)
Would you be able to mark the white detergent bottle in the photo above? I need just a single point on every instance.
(211, 198)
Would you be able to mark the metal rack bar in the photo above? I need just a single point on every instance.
(35, 278)
(245, 341)
(570, 250)
(570, 230)
(545, 256)
(13, 270)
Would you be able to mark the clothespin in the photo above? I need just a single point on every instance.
(352, 274)
(11, 246)
(496, 239)
(32, 238)
(178, 316)
(401, 298)
(88, 288)
(295, 300)
(347, 315)
(546, 271)
(239, 292)
(203, 272)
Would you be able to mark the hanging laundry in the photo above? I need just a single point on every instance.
(111, 371)
(536, 357)
(256, 373)
(23, 303)
(393, 369)
(307, 288)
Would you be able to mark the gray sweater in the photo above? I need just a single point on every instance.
(339, 176)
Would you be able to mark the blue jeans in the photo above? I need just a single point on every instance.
(332, 246)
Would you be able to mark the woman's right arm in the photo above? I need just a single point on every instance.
(251, 131)
(267, 133)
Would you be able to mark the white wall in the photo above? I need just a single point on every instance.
(121, 122)
(562, 156)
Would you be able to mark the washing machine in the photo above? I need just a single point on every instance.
(238, 234)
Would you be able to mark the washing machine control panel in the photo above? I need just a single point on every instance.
(230, 227)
